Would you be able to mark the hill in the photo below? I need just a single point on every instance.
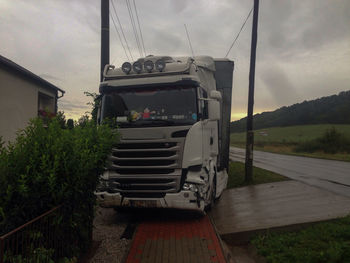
(333, 109)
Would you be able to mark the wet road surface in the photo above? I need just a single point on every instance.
(327, 174)
(244, 211)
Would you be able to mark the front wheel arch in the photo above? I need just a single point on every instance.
(212, 197)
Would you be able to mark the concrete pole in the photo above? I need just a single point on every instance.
(250, 133)
(104, 36)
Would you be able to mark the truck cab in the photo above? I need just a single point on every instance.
(173, 117)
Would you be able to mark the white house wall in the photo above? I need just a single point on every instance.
(18, 103)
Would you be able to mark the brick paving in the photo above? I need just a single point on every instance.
(176, 241)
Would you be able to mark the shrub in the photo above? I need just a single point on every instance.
(332, 141)
(49, 165)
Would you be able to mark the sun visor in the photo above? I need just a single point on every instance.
(176, 80)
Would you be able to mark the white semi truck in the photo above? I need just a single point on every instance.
(173, 114)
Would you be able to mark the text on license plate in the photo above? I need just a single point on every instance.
(144, 203)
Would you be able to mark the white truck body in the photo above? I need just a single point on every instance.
(174, 126)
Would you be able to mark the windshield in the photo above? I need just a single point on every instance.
(151, 107)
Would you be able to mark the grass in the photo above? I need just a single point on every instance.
(327, 242)
(284, 140)
(291, 134)
(260, 176)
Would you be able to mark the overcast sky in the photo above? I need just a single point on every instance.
(303, 46)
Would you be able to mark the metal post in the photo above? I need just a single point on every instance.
(104, 36)
(250, 133)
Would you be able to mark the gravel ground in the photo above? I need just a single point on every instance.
(108, 227)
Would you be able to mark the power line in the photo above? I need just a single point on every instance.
(234, 41)
(134, 26)
(121, 29)
(116, 29)
(189, 40)
(138, 22)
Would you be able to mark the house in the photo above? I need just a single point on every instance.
(23, 96)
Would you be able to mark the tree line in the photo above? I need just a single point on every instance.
(333, 109)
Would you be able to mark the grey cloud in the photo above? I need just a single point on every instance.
(60, 40)
(49, 77)
(331, 22)
(166, 42)
(178, 5)
(72, 105)
(287, 27)
(279, 85)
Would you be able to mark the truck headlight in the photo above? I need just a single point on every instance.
(190, 187)
(137, 67)
(105, 175)
(126, 67)
(149, 66)
(160, 65)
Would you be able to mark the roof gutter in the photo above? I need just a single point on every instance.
(62, 93)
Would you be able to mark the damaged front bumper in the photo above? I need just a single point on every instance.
(184, 199)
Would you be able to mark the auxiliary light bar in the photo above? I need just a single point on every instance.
(148, 65)
(126, 67)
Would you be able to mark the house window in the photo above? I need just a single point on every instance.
(46, 103)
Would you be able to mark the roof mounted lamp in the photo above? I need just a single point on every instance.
(160, 65)
(149, 65)
(137, 67)
(126, 67)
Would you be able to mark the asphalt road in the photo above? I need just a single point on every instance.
(327, 174)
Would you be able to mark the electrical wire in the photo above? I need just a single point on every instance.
(189, 40)
(234, 41)
(138, 22)
(134, 26)
(116, 29)
(121, 29)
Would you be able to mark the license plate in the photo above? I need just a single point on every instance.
(143, 203)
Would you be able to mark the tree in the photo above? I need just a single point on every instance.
(96, 100)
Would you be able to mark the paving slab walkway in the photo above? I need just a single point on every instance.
(179, 240)
(244, 211)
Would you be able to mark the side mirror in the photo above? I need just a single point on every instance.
(214, 110)
(216, 95)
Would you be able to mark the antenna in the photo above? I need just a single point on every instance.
(189, 40)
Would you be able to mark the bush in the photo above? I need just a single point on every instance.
(331, 141)
(49, 165)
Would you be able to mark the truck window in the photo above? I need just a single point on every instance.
(157, 106)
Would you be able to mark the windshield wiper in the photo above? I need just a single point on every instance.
(160, 121)
(141, 123)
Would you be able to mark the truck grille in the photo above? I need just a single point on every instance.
(146, 167)
(144, 184)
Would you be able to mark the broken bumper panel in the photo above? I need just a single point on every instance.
(183, 200)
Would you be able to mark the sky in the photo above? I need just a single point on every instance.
(303, 49)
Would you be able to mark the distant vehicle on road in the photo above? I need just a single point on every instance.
(173, 115)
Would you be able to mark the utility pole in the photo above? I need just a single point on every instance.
(250, 133)
(104, 36)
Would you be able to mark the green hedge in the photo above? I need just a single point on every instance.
(50, 164)
(332, 141)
